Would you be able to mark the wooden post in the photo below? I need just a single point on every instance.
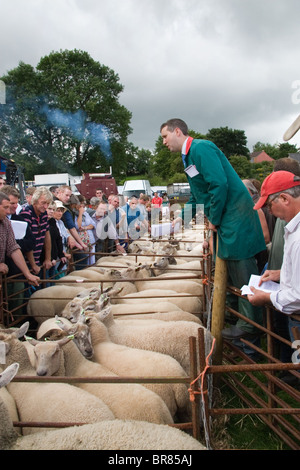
(218, 307)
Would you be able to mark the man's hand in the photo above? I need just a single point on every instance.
(3, 268)
(212, 227)
(35, 268)
(271, 275)
(259, 297)
(73, 243)
(120, 248)
(47, 264)
(33, 280)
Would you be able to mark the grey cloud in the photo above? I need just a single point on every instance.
(218, 63)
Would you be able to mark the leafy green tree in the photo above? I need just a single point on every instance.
(65, 115)
(261, 170)
(139, 162)
(242, 166)
(275, 151)
(230, 141)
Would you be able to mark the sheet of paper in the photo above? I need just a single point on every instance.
(19, 229)
(268, 286)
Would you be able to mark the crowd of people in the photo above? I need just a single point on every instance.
(55, 221)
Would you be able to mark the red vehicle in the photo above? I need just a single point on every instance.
(92, 181)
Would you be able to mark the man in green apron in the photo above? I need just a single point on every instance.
(229, 208)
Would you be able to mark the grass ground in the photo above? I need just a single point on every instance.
(244, 432)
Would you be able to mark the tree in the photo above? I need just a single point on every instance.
(230, 141)
(275, 151)
(242, 166)
(139, 162)
(261, 170)
(65, 114)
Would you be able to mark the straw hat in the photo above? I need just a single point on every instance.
(59, 205)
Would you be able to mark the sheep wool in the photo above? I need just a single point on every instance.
(107, 435)
(49, 402)
(133, 362)
(148, 406)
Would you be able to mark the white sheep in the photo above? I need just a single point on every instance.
(49, 402)
(132, 362)
(171, 338)
(90, 301)
(87, 301)
(50, 301)
(79, 331)
(165, 311)
(10, 403)
(142, 273)
(184, 301)
(119, 397)
(107, 435)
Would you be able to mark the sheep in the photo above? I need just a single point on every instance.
(50, 301)
(77, 280)
(193, 267)
(186, 286)
(119, 397)
(164, 310)
(79, 332)
(111, 279)
(123, 360)
(10, 403)
(5, 396)
(184, 301)
(44, 402)
(80, 305)
(171, 338)
(106, 435)
(181, 275)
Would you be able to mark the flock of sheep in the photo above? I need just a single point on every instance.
(123, 317)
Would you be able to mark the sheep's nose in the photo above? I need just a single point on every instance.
(41, 373)
(89, 352)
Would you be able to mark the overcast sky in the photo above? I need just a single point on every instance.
(213, 63)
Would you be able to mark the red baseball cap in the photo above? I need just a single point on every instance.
(276, 182)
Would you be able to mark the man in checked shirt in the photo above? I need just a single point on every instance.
(9, 246)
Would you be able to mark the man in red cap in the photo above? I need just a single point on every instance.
(280, 192)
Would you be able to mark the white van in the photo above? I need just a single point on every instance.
(136, 187)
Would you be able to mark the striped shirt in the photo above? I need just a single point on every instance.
(8, 242)
(287, 299)
(39, 226)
